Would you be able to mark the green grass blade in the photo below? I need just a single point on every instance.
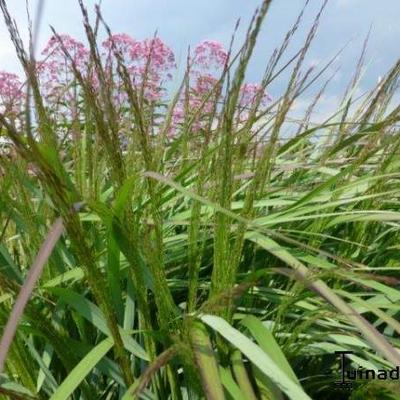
(78, 374)
(257, 356)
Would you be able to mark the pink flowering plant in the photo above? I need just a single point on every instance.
(56, 76)
(150, 64)
(11, 93)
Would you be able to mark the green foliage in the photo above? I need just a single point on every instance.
(223, 262)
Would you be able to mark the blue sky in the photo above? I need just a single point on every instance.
(186, 22)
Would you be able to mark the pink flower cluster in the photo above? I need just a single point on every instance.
(149, 62)
(55, 71)
(207, 64)
(122, 42)
(76, 49)
(249, 93)
(11, 93)
(210, 54)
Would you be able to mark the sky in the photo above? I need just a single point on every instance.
(181, 23)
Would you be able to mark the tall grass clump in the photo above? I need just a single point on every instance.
(177, 245)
